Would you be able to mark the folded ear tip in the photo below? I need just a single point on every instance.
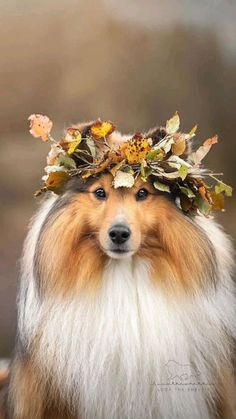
(83, 127)
(156, 134)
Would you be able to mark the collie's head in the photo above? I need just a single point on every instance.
(93, 224)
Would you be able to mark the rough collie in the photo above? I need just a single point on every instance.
(126, 309)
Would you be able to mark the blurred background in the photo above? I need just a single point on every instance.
(132, 61)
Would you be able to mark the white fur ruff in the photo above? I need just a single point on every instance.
(113, 356)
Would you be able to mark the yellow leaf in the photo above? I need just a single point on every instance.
(136, 149)
(192, 132)
(87, 174)
(73, 146)
(72, 135)
(101, 129)
(56, 180)
(117, 167)
(218, 201)
(179, 145)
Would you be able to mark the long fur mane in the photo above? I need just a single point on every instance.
(108, 353)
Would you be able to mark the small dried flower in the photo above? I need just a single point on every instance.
(40, 126)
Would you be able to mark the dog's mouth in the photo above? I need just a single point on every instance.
(118, 253)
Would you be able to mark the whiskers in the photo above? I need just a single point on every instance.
(151, 241)
(89, 235)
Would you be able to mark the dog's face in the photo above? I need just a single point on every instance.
(93, 223)
(124, 218)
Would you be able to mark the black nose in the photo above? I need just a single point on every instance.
(119, 233)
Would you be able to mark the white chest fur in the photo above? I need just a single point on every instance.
(131, 353)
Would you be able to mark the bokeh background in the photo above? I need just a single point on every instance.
(132, 61)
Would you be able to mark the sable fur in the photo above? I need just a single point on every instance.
(95, 334)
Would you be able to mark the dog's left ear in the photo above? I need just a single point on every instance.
(157, 134)
(84, 128)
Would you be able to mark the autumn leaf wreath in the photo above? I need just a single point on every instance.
(166, 160)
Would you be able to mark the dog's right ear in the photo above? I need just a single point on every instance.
(76, 184)
(84, 127)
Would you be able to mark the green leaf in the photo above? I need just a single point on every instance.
(155, 153)
(117, 167)
(142, 170)
(91, 146)
(145, 172)
(183, 171)
(128, 169)
(187, 191)
(161, 186)
(172, 125)
(203, 205)
(222, 187)
(67, 162)
(193, 131)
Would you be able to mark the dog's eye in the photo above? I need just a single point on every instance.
(100, 194)
(141, 194)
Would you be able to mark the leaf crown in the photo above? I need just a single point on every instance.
(163, 156)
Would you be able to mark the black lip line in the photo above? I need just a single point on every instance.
(118, 250)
